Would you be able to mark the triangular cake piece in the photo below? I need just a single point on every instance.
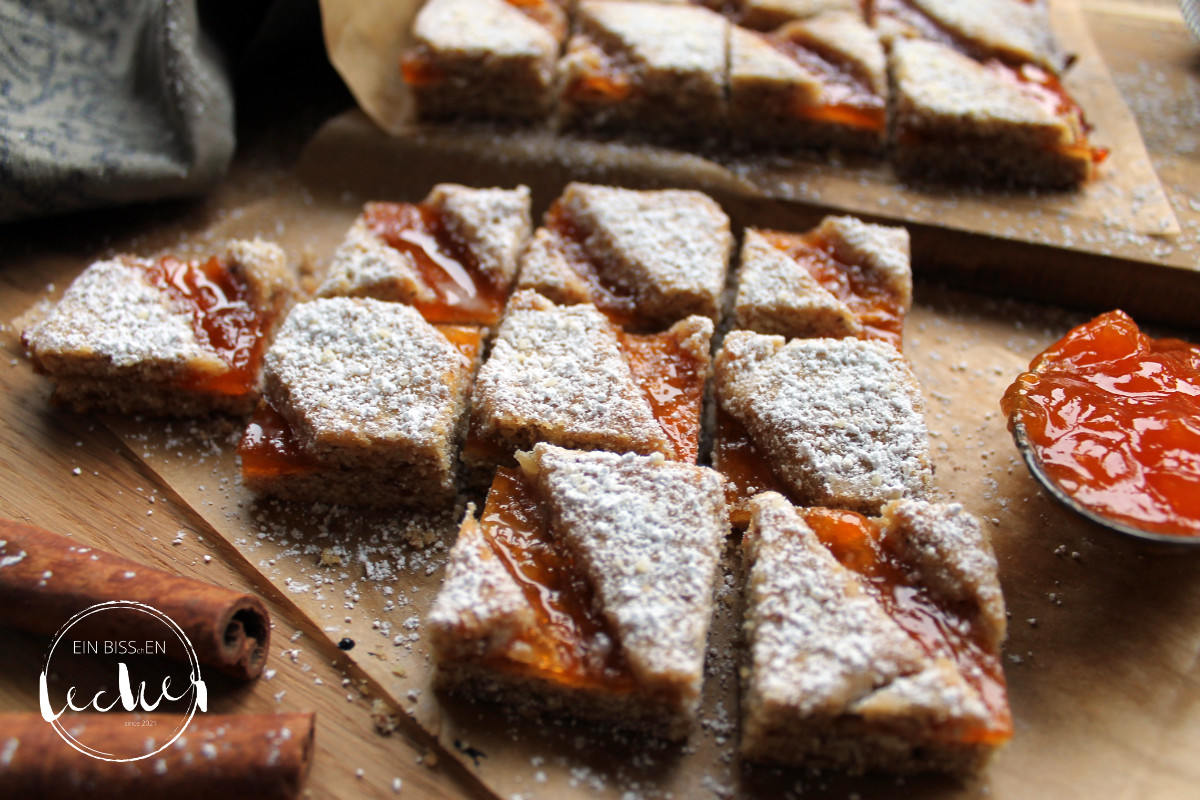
(567, 375)
(653, 68)
(819, 83)
(873, 644)
(767, 15)
(832, 422)
(164, 336)
(843, 278)
(485, 59)
(1014, 31)
(453, 256)
(958, 120)
(586, 587)
(647, 258)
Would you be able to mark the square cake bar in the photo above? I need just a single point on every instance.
(585, 588)
(819, 83)
(365, 404)
(453, 256)
(956, 119)
(485, 59)
(873, 644)
(652, 68)
(843, 278)
(830, 422)
(567, 375)
(646, 258)
(164, 336)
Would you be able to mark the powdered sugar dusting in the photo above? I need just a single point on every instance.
(493, 223)
(672, 37)
(647, 533)
(839, 420)
(663, 247)
(952, 555)
(481, 29)
(358, 372)
(817, 641)
(112, 316)
(479, 607)
(557, 374)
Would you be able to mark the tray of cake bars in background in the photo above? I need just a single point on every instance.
(968, 178)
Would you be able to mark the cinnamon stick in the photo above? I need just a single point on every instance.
(263, 756)
(45, 579)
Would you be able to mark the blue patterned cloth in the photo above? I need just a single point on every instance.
(108, 101)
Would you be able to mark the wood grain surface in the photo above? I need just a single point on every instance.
(1104, 656)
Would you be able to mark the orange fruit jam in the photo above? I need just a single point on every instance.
(464, 295)
(1114, 418)
(941, 631)
(864, 293)
(222, 318)
(570, 644)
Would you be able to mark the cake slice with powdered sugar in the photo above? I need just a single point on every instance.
(586, 587)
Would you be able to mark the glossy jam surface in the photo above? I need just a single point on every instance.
(467, 339)
(1048, 92)
(617, 304)
(870, 300)
(672, 380)
(570, 644)
(857, 543)
(463, 293)
(746, 473)
(847, 99)
(1114, 418)
(270, 446)
(222, 318)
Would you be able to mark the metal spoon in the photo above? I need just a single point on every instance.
(1029, 454)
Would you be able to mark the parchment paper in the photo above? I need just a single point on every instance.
(1103, 659)
(1122, 213)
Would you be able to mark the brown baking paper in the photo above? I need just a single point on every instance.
(1102, 658)
(1124, 213)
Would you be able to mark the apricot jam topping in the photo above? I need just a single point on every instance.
(570, 644)
(1113, 417)
(616, 303)
(419, 71)
(271, 446)
(673, 381)
(847, 97)
(940, 629)
(1048, 92)
(607, 81)
(746, 473)
(447, 267)
(866, 295)
(222, 318)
